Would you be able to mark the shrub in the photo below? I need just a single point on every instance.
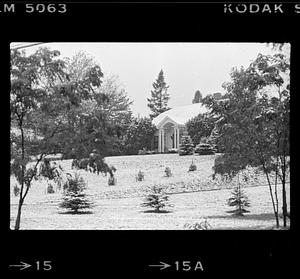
(156, 199)
(205, 149)
(75, 198)
(140, 176)
(192, 167)
(112, 180)
(186, 145)
(50, 189)
(204, 225)
(239, 200)
(142, 151)
(168, 172)
(16, 190)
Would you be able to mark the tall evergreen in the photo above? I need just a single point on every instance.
(158, 103)
(197, 97)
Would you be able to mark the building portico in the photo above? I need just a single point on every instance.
(171, 125)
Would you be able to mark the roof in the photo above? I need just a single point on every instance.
(180, 115)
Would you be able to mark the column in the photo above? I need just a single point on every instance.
(162, 140)
(159, 140)
(174, 137)
(177, 136)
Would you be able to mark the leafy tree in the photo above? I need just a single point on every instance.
(138, 135)
(41, 88)
(200, 127)
(158, 103)
(197, 97)
(254, 123)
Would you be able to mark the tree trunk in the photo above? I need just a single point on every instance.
(18, 219)
(284, 204)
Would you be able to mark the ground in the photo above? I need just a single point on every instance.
(195, 197)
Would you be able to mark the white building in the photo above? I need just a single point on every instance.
(171, 124)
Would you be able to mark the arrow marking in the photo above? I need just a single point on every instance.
(162, 265)
(22, 265)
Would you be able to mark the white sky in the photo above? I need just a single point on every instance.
(187, 66)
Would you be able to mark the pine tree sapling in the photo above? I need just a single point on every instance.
(168, 172)
(239, 200)
(186, 145)
(156, 199)
(75, 198)
(140, 176)
(192, 167)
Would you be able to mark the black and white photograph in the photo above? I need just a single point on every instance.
(150, 136)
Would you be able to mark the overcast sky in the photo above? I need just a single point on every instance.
(187, 66)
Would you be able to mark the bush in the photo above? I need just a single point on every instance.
(173, 150)
(140, 176)
(205, 149)
(112, 180)
(192, 167)
(75, 198)
(156, 199)
(204, 225)
(168, 172)
(186, 145)
(16, 190)
(50, 189)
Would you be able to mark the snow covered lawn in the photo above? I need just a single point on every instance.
(195, 197)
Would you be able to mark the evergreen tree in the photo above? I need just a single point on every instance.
(239, 200)
(156, 199)
(197, 97)
(186, 145)
(158, 103)
(75, 198)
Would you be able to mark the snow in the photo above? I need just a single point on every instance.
(181, 114)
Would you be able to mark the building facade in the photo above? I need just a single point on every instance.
(171, 124)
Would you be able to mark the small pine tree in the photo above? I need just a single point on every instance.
(186, 145)
(75, 198)
(140, 176)
(156, 199)
(239, 200)
(192, 167)
(168, 172)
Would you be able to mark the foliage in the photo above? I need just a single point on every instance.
(43, 88)
(186, 145)
(200, 126)
(192, 167)
(156, 199)
(239, 200)
(253, 122)
(168, 172)
(16, 190)
(158, 103)
(50, 189)
(197, 97)
(204, 225)
(205, 149)
(138, 136)
(140, 176)
(75, 198)
(112, 180)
